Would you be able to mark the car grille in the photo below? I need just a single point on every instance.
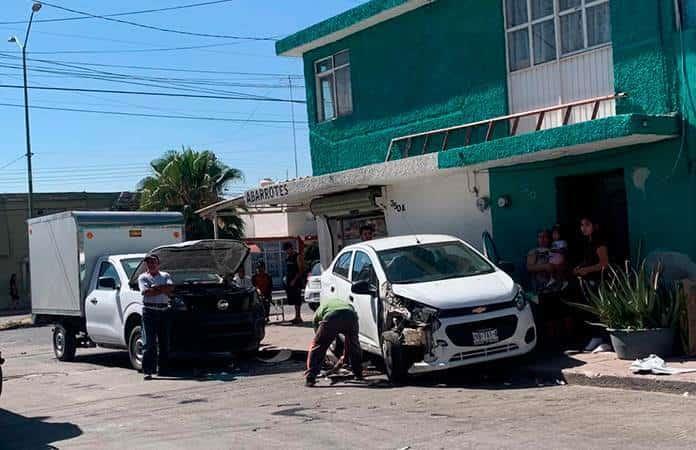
(458, 312)
(488, 351)
(461, 333)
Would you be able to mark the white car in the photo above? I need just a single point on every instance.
(430, 302)
(312, 289)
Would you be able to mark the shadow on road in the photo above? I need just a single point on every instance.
(19, 432)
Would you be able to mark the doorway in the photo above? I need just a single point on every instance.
(602, 196)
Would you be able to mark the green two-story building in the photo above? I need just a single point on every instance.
(507, 116)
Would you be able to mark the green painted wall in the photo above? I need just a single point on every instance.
(439, 65)
(660, 216)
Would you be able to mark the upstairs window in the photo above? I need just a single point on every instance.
(688, 13)
(539, 31)
(334, 91)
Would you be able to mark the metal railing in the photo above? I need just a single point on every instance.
(491, 124)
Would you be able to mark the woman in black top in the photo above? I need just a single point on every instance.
(294, 268)
(595, 252)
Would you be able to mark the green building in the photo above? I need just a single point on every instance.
(507, 116)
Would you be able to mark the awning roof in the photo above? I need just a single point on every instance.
(350, 22)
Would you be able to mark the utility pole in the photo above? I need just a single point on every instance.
(23, 46)
(294, 133)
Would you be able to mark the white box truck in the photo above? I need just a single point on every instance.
(84, 268)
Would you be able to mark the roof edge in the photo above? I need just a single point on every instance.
(345, 24)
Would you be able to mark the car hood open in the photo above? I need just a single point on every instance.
(222, 256)
(486, 289)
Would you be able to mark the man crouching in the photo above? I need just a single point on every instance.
(334, 317)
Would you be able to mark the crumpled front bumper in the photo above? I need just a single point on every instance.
(446, 354)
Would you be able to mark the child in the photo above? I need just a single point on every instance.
(557, 258)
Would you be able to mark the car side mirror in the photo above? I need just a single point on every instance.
(363, 288)
(507, 267)
(107, 283)
(134, 285)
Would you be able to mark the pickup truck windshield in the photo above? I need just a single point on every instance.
(432, 262)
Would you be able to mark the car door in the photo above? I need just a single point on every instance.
(102, 307)
(339, 278)
(366, 305)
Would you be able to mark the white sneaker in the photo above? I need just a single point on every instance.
(594, 343)
(601, 348)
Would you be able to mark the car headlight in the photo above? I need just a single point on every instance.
(422, 313)
(520, 300)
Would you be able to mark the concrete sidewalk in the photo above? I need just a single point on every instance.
(15, 321)
(606, 370)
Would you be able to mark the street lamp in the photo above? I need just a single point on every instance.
(23, 46)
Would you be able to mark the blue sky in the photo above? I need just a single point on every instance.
(91, 152)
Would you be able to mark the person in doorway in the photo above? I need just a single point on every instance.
(367, 232)
(294, 268)
(590, 271)
(538, 262)
(334, 317)
(14, 292)
(558, 258)
(263, 283)
(156, 288)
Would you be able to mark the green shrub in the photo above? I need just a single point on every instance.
(634, 300)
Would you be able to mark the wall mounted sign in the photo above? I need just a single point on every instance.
(266, 194)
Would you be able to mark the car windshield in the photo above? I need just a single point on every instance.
(130, 266)
(432, 262)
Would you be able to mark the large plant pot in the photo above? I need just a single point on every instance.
(637, 344)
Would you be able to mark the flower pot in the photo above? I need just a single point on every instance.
(636, 344)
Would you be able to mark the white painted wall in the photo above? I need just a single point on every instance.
(438, 204)
(578, 77)
(278, 224)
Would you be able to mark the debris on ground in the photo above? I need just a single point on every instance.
(656, 365)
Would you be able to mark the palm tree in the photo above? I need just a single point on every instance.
(186, 181)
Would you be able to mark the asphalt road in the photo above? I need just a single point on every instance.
(98, 402)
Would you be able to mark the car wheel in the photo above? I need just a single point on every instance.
(395, 363)
(313, 306)
(136, 347)
(64, 343)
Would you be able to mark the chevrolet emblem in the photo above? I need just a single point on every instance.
(479, 310)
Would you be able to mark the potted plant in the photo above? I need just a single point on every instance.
(640, 315)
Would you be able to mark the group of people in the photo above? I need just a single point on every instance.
(550, 264)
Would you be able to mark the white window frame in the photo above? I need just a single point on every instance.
(557, 14)
(331, 73)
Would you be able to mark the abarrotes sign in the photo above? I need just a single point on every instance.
(268, 194)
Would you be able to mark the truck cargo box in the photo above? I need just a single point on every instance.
(64, 247)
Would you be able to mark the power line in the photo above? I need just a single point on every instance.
(159, 116)
(141, 50)
(156, 28)
(131, 13)
(12, 162)
(160, 69)
(160, 94)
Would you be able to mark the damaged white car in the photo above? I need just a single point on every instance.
(430, 302)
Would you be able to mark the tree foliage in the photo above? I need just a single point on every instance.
(186, 181)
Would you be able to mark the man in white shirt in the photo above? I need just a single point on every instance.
(156, 288)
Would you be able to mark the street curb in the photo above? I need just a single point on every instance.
(15, 324)
(646, 384)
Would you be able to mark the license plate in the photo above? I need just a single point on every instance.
(483, 337)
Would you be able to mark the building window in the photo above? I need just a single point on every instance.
(539, 31)
(334, 91)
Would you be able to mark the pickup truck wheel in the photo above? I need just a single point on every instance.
(64, 343)
(395, 363)
(136, 347)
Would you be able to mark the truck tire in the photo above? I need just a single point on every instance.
(135, 347)
(395, 359)
(64, 343)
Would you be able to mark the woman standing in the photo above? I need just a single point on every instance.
(294, 268)
(595, 259)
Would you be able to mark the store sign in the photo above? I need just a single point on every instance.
(266, 194)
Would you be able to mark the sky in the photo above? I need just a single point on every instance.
(94, 152)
